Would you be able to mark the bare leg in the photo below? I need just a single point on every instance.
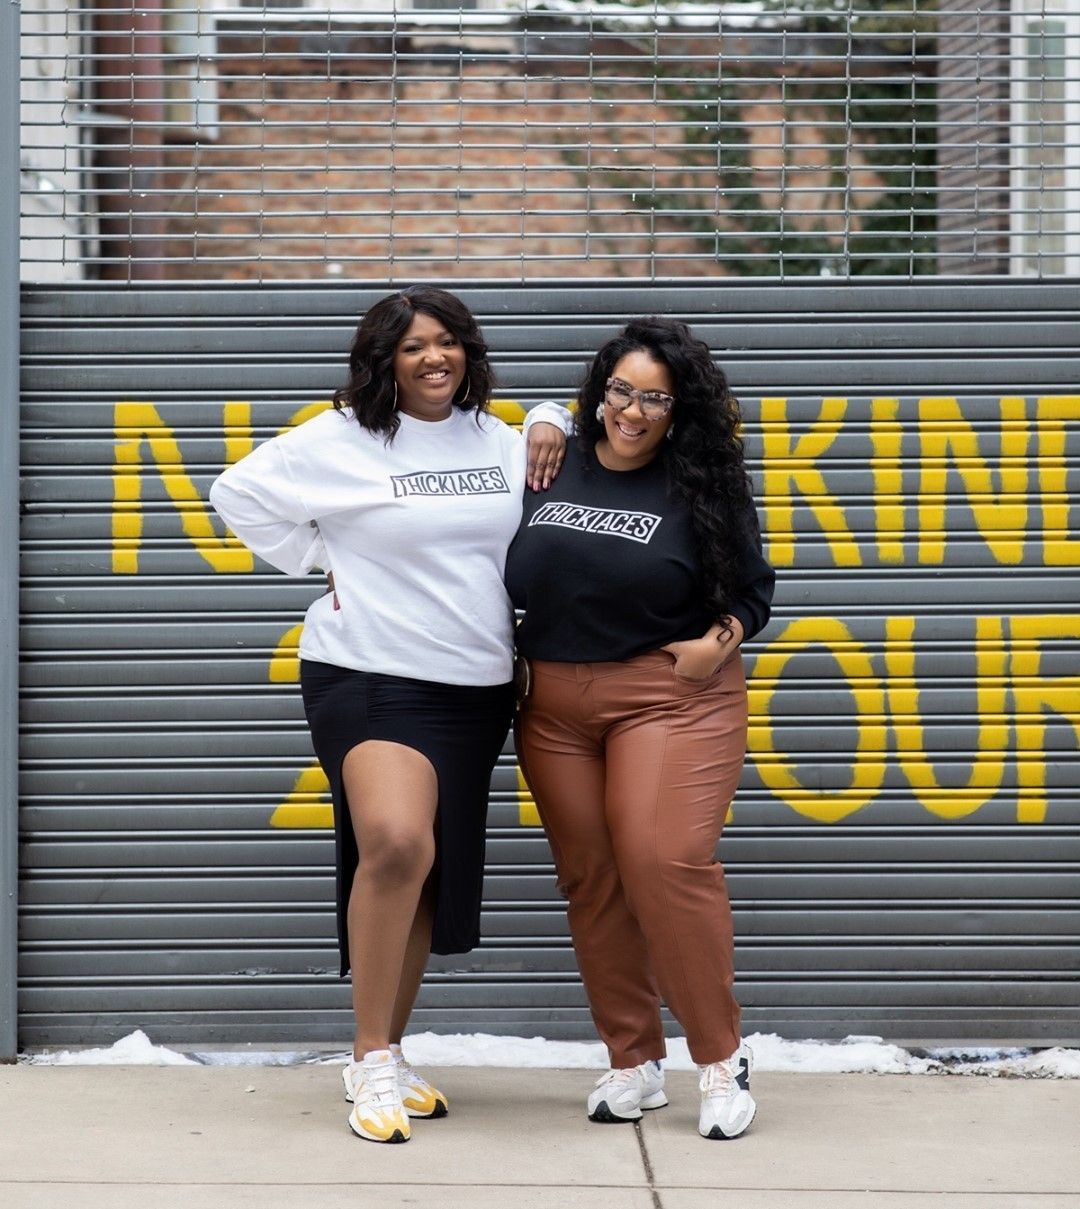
(417, 952)
(392, 792)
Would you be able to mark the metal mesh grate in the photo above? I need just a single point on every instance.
(396, 141)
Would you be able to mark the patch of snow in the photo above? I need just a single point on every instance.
(853, 1055)
(957, 1055)
(136, 1049)
(868, 1055)
(482, 1049)
(771, 1053)
(1055, 1063)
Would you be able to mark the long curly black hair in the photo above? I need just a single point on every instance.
(370, 391)
(705, 460)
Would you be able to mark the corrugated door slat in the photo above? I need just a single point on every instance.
(905, 849)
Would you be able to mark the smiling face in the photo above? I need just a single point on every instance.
(630, 440)
(429, 367)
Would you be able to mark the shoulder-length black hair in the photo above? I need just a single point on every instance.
(370, 391)
(705, 459)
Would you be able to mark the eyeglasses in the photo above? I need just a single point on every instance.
(653, 404)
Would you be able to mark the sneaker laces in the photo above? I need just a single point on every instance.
(620, 1077)
(718, 1078)
(406, 1070)
(381, 1083)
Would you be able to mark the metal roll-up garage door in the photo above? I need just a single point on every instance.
(903, 853)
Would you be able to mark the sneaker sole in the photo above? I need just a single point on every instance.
(603, 1115)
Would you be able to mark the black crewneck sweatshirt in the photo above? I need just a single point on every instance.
(605, 566)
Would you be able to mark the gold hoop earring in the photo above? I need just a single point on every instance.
(468, 391)
(395, 394)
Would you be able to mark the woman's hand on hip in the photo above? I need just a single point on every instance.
(546, 449)
(698, 658)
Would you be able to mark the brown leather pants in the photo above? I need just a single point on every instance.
(633, 769)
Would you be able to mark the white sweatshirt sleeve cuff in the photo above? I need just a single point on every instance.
(550, 413)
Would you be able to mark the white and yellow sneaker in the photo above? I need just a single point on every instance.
(372, 1085)
(418, 1096)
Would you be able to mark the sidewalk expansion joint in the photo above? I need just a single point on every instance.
(647, 1164)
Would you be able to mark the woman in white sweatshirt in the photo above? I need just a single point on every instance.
(411, 492)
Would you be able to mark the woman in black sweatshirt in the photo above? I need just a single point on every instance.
(640, 574)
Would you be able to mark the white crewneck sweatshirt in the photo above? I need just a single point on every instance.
(416, 532)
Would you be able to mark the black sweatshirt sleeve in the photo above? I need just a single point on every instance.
(751, 601)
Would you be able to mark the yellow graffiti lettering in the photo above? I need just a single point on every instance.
(792, 466)
(1059, 549)
(308, 802)
(139, 423)
(508, 411)
(903, 701)
(1036, 696)
(236, 425)
(885, 436)
(528, 815)
(1001, 517)
(774, 767)
(285, 661)
(308, 412)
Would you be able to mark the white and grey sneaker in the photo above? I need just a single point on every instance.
(620, 1095)
(727, 1107)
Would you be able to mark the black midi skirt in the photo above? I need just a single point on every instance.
(461, 730)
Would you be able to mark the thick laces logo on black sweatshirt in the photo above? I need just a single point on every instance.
(612, 522)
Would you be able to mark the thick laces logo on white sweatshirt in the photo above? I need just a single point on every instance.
(485, 480)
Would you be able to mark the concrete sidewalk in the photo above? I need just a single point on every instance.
(276, 1138)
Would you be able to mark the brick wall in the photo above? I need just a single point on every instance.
(538, 176)
(973, 139)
